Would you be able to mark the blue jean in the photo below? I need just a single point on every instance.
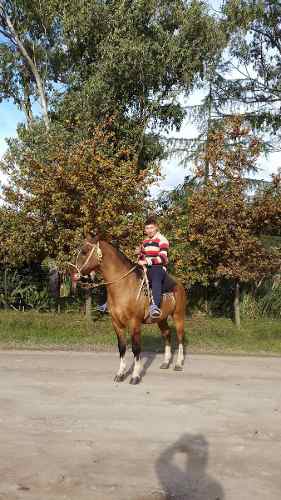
(156, 275)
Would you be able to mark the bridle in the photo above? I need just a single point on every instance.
(96, 252)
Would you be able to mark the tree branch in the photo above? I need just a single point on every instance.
(39, 83)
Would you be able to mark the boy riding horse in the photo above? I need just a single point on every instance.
(153, 255)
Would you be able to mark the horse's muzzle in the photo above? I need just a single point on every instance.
(83, 280)
(75, 277)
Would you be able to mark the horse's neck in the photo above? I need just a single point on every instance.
(112, 266)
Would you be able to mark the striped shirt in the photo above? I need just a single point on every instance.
(155, 250)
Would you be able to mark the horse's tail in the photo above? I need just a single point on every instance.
(179, 311)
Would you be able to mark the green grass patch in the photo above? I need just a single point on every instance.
(33, 330)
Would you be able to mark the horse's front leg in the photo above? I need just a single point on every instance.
(121, 374)
(136, 348)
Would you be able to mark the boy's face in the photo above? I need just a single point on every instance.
(150, 230)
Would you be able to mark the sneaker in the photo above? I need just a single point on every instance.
(102, 308)
(154, 311)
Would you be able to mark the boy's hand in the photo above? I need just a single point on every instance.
(142, 262)
(137, 250)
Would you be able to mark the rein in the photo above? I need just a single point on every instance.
(95, 285)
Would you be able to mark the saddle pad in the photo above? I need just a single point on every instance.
(165, 296)
(168, 284)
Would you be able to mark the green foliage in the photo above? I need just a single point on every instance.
(255, 55)
(267, 305)
(139, 52)
(32, 58)
(270, 304)
(98, 58)
(53, 194)
(250, 307)
(214, 227)
(23, 290)
(216, 232)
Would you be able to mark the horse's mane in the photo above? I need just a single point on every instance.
(128, 262)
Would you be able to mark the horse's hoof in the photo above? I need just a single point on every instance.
(165, 365)
(178, 368)
(120, 378)
(135, 380)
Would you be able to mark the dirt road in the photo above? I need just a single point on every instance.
(68, 432)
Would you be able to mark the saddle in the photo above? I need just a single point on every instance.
(169, 284)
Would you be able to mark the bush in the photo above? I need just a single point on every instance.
(250, 307)
(24, 289)
(270, 304)
(266, 304)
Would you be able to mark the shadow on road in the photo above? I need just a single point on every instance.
(182, 471)
(149, 359)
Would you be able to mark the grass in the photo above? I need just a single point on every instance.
(32, 330)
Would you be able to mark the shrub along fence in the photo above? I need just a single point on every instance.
(41, 287)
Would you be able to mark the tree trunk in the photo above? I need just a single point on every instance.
(88, 304)
(26, 107)
(32, 65)
(237, 305)
(207, 163)
(207, 172)
(28, 113)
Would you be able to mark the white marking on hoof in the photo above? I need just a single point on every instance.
(168, 354)
(178, 368)
(135, 381)
(137, 369)
(122, 368)
(180, 357)
(164, 366)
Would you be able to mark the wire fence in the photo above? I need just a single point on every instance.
(45, 289)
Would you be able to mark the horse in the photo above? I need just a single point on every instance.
(128, 303)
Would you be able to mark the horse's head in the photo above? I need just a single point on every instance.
(88, 259)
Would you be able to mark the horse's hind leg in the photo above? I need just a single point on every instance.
(121, 374)
(178, 317)
(179, 322)
(166, 334)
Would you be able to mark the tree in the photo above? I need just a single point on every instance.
(221, 232)
(30, 51)
(90, 59)
(54, 194)
(141, 53)
(16, 82)
(207, 119)
(135, 62)
(251, 81)
(267, 208)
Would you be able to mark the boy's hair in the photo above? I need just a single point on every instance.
(151, 219)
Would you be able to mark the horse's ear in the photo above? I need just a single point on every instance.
(92, 236)
(125, 233)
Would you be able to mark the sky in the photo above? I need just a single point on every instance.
(9, 118)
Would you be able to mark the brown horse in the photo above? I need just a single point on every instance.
(128, 303)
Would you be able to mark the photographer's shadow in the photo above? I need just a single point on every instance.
(182, 471)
